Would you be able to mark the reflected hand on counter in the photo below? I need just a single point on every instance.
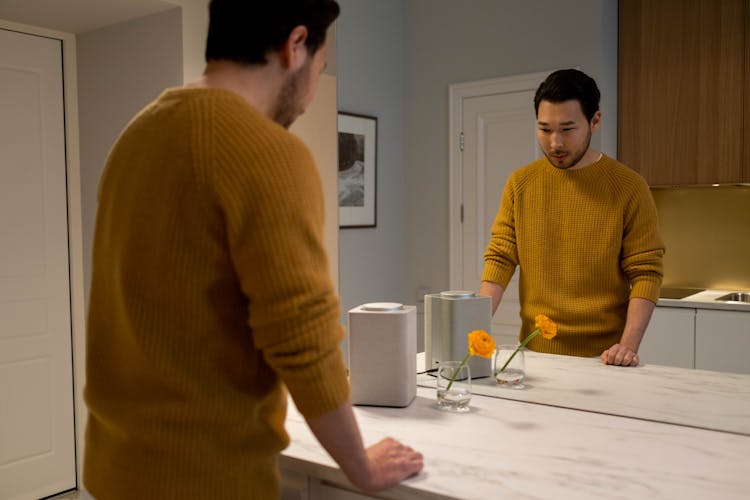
(625, 353)
(620, 355)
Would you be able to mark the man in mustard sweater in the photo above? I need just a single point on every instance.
(583, 229)
(210, 296)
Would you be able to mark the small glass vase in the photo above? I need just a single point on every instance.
(514, 373)
(453, 386)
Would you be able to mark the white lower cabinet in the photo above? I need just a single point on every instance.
(722, 340)
(294, 485)
(707, 339)
(299, 486)
(669, 338)
(322, 491)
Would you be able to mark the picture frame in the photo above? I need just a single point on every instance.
(357, 170)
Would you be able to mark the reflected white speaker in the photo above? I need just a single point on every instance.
(448, 318)
(383, 354)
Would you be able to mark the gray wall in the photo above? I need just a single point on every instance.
(120, 69)
(445, 42)
(370, 81)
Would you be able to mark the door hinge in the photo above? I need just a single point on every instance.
(462, 213)
(461, 141)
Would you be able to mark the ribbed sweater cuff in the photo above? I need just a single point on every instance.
(646, 289)
(496, 274)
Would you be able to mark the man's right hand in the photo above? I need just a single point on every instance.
(371, 469)
(391, 462)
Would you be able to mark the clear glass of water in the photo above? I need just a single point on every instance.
(514, 372)
(453, 386)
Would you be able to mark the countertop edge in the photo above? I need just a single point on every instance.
(705, 300)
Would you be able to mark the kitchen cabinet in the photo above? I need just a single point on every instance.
(670, 338)
(684, 90)
(300, 486)
(702, 338)
(722, 340)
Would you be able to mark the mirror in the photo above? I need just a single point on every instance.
(396, 61)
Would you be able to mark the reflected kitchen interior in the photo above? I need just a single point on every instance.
(696, 222)
(406, 87)
(396, 60)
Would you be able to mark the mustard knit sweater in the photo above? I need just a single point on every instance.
(586, 241)
(210, 293)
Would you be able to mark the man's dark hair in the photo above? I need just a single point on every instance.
(244, 31)
(566, 84)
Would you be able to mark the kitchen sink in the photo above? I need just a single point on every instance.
(743, 297)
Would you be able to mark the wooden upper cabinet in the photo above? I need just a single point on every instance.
(684, 114)
(746, 84)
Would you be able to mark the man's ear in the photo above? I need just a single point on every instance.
(294, 52)
(596, 120)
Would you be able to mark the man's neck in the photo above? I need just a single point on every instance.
(257, 84)
(591, 157)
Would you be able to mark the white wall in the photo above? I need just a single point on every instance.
(370, 82)
(120, 69)
(317, 128)
(194, 31)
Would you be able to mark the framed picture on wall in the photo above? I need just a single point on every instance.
(358, 137)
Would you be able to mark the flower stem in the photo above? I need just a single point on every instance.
(455, 373)
(523, 344)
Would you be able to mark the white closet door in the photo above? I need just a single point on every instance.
(498, 124)
(37, 454)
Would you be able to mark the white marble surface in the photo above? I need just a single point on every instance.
(706, 300)
(518, 450)
(699, 398)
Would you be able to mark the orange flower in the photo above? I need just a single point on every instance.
(547, 326)
(544, 325)
(481, 344)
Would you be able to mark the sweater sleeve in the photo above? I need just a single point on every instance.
(501, 254)
(272, 201)
(642, 246)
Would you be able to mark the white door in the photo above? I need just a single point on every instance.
(37, 454)
(496, 118)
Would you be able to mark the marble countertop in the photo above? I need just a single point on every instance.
(698, 398)
(580, 430)
(705, 300)
(513, 449)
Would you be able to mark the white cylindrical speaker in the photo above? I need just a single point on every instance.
(448, 318)
(383, 354)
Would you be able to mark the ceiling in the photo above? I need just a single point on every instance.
(78, 16)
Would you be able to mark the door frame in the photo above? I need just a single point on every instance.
(457, 92)
(75, 226)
